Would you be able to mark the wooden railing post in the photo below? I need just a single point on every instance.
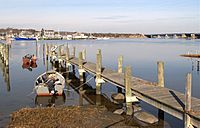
(74, 52)
(160, 83)
(120, 70)
(47, 51)
(67, 55)
(84, 54)
(98, 71)
(127, 80)
(6, 54)
(120, 63)
(80, 65)
(188, 99)
(160, 74)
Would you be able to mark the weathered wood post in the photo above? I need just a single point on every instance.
(160, 73)
(81, 92)
(84, 54)
(188, 100)
(6, 55)
(73, 56)
(47, 51)
(120, 70)
(50, 53)
(99, 80)
(74, 52)
(127, 80)
(59, 58)
(120, 62)
(160, 83)
(67, 57)
(59, 51)
(43, 52)
(80, 66)
(0, 50)
(98, 72)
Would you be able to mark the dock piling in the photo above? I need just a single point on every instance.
(120, 70)
(84, 54)
(47, 51)
(160, 73)
(67, 55)
(188, 100)
(98, 72)
(74, 52)
(127, 80)
(120, 62)
(161, 84)
(81, 70)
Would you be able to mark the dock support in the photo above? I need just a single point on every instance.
(99, 80)
(6, 54)
(188, 100)
(120, 62)
(47, 51)
(161, 84)
(74, 52)
(67, 56)
(120, 70)
(84, 54)
(160, 73)
(98, 72)
(43, 52)
(81, 70)
(127, 80)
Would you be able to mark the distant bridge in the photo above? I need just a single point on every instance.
(174, 36)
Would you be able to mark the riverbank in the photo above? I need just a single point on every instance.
(64, 117)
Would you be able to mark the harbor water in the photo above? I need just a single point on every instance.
(16, 84)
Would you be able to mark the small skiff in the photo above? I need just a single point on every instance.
(49, 83)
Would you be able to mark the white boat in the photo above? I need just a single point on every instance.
(49, 83)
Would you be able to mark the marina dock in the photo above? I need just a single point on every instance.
(177, 104)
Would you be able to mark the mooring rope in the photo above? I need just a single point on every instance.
(80, 85)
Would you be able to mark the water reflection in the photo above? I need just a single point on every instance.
(195, 64)
(29, 66)
(4, 64)
(48, 101)
(142, 55)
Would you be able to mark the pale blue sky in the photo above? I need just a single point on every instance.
(132, 16)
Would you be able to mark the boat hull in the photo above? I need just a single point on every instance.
(23, 38)
(44, 89)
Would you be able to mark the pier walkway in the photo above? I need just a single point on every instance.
(179, 105)
(165, 99)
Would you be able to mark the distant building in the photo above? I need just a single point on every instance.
(78, 35)
(47, 33)
(27, 33)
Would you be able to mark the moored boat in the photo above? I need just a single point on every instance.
(49, 83)
(25, 38)
(29, 59)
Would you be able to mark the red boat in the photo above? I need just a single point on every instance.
(29, 62)
(29, 59)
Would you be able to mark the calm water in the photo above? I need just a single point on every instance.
(142, 54)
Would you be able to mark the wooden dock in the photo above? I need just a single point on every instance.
(177, 104)
(165, 99)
